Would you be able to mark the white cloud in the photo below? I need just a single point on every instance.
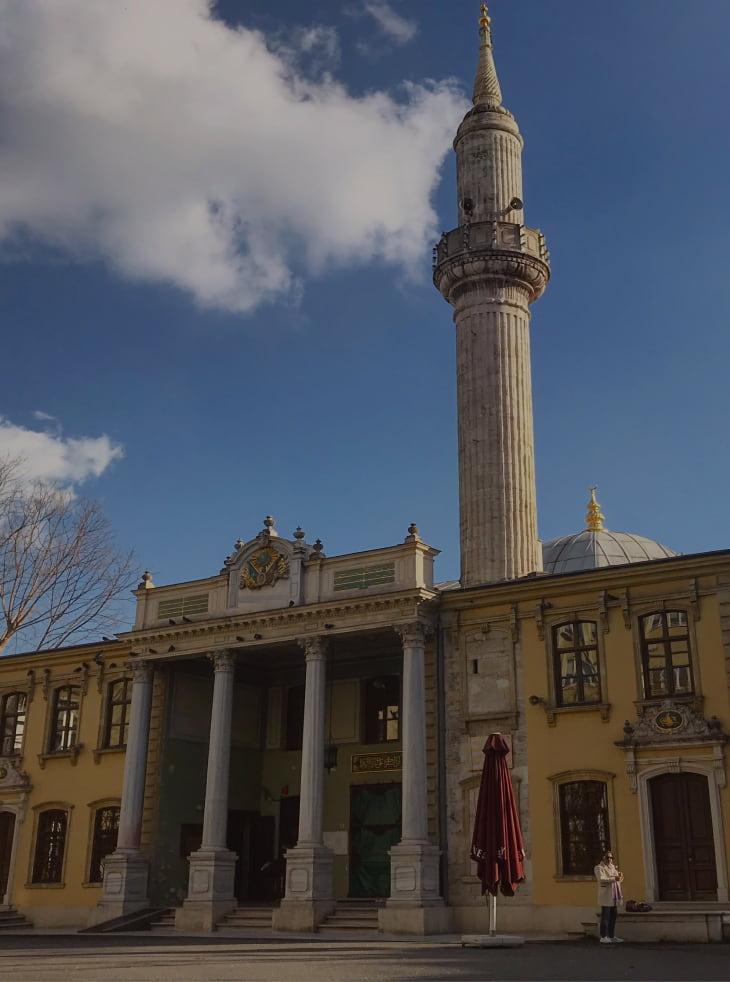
(178, 149)
(55, 458)
(44, 417)
(398, 28)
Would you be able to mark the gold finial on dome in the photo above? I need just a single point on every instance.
(594, 516)
(485, 20)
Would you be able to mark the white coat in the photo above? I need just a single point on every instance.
(606, 874)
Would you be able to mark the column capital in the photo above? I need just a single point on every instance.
(414, 634)
(223, 661)
(141, 671)
(315, 649)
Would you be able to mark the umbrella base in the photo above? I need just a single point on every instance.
(491, 941)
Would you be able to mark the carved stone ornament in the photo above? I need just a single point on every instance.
(264, 568)
(11, 778)
(671, 722)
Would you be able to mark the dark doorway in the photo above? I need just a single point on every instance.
(288, 823)
(7, 828)
(683, 839)
(251, 837)
(375, 826)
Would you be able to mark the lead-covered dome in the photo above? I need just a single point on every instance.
(596, 546)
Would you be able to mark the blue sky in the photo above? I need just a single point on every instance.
(325, 394)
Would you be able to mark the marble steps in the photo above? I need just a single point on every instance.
(11, 920)
(247, 918)
(164, 922)
(350, 915)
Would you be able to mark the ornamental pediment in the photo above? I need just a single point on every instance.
(671, 722)
(11, 777)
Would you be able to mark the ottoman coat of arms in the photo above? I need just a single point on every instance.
(264, 568)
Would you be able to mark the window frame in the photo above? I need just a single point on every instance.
(366, 684)
(38, 812)
(70, 748)
(109, 704)
(571, 777)
(553, 708)
(4, 716)
(666, 641)
(576, 650)
(96, 807)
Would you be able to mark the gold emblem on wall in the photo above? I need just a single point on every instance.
(372, 763)
(668, 720)
(264, 568)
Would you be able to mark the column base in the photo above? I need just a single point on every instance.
(125, 886)
(210, 890)
(401, 918)
(414, 874)
(308, 898)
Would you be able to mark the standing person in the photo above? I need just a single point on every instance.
(609, 896)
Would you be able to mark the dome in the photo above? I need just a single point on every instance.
(596, 546)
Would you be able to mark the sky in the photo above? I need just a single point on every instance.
(215, 263)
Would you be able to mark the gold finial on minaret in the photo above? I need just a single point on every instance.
(486, 86)
(594, 516)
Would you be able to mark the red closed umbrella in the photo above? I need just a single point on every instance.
(496, 846)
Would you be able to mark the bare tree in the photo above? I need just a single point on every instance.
(60, 571)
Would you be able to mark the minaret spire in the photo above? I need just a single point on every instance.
(487, 91)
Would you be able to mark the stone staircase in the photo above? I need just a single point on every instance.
(11, 920)
(353, 917)
(247, 917)
(163, 922)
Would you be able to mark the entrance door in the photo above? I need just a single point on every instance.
(683, 840)
(7, 828)
(375, 826)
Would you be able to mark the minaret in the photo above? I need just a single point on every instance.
(491, 268)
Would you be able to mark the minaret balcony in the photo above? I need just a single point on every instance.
(491, 250)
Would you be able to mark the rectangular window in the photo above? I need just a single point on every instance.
(12, 723)
(119, 703)
(382, 709)
(106, 827)
(65, 724)
(584, 831)
(576, 664)
(50, 846)
(665, 654)
(183, 606)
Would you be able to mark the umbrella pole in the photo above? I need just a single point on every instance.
(492, 915)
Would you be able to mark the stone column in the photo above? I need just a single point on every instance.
(212, 867)
(126, 870)
(308, 898)
(415, 905)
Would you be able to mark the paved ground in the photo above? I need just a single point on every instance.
(94, 959)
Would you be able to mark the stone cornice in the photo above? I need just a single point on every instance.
(610, 578)
(353, 615)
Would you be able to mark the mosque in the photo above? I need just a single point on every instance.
(294, 742)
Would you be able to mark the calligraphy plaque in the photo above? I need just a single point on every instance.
(372, 763)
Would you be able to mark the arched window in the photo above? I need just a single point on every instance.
(104, 842)
(65, 722)
(665, 654)
(119, 701)
(584, 831)
(12, 722)
(576, 663)
(382, 709)
(50, 846)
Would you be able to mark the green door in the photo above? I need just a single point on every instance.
(375, 821)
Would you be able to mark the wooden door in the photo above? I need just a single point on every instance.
(683, 839)
(7, 828)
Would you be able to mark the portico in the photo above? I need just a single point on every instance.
(360, 647)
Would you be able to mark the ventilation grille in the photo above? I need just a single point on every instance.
(183, 605)
(364, 577)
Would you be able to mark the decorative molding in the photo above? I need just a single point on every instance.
(552, 712)
(603, 611)
(30, 675)
(315, 648)
(71, 754)
(626, 608)
(46, 684)
(141, 671)
(414, 635)
(694, 598)
(540, 609)
(223, 661)
(672, 723)
(514, 623)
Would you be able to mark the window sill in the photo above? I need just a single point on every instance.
(92, 886)
(72, 755)
(575, 878)
(604, 708)
(44, 886)
(99, 752)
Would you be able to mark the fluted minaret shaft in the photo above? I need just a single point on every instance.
(491, 268)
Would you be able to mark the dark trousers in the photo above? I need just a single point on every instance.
(608, 921)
